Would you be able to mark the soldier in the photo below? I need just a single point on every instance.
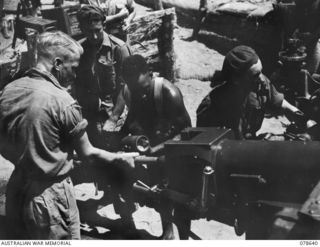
(40, 126)
(157, 110)
(203, 9)
(240, 100)
(99, 80)
(98, 89)
(156, 107)
(119, 15)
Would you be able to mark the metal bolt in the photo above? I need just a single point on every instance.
(317, 201)
(208, 170)
(311, 211)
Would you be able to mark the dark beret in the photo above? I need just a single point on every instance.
(88, 13)
(239, 60)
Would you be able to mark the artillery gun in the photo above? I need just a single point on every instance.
(267, 190)
(291, 77)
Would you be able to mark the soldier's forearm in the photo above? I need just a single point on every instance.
(117, 17)
(288, 107)
(99, 156)
(90, 154)
(131, 16)
(118, 109)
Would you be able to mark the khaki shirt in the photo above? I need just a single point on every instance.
(38, 121)
(99, 74)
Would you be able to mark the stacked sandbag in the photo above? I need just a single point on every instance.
(232, 22)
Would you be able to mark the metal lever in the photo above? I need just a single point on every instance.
(149, 160)
(207, 172)
(258, 178)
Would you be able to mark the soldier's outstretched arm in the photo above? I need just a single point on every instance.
(93, 155)
(288, 107)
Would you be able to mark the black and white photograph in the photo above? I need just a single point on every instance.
(159, 120)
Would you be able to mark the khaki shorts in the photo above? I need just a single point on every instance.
(47, 210)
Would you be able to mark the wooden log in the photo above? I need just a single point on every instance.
(149, 50)
(183, 4)
(147, 27)
(144, 29)
(9, 66)
(167, 48)
(146, 48)
(152, 37)
(186, 9)
(31, 37)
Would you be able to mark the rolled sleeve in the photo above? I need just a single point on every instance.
(75, 125)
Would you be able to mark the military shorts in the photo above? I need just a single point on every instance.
(53, 214)
(42, 209)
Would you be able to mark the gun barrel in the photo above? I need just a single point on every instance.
(285, 171)
(148, 160)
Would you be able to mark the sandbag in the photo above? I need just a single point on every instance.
(189, 5)
(237, 8)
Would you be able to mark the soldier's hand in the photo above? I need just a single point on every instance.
(124, 12)
(126, 160)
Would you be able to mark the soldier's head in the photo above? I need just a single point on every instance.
(58, 54)
(136, 73)
(242, 68)
(91, 19)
